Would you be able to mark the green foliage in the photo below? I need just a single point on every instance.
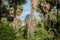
(22, 33)
(20, 2)
(4, 12)
(41, 33)
(7, 32)
(58, 24)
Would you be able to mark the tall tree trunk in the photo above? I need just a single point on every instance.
(0, 8)
(0, 3)
(15, 19)
(31, 21)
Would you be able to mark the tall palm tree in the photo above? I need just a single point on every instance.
(4, 12)
(50, 19)
(14, 4)
(31, 21)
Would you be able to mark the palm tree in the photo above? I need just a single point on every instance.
(50, 19)
(4, 12)
(15, 4)
(31, 19)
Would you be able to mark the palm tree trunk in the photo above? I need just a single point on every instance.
(31, 19)
(0, 3)
(31, 22)
(57, 1)
(0, 8)
(15, 8)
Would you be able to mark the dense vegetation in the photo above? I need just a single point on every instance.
(47, 28)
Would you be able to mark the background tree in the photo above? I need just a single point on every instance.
(47, 13)
(16, 7)
(4, 12)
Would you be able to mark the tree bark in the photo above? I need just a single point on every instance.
(15, 19)
(31, 22)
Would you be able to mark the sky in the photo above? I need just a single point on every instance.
(26, 10)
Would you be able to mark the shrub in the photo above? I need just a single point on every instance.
(41, 33)
(22, 33)
(7, 32)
